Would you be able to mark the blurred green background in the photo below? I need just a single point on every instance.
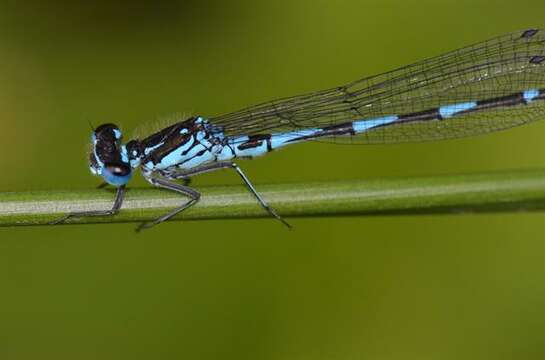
(423, 287)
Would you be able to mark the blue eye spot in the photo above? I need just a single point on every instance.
(116, 174)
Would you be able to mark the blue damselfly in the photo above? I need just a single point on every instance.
(491, 85)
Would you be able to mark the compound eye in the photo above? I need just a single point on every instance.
(105, 129)
(116, 174)
(118, 169)
(93, 164)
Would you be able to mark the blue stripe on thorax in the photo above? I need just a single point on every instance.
(149, 149)
(175, 156)
(196, 151)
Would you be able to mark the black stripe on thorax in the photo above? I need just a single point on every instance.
(170, 145)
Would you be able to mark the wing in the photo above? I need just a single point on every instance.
(491, 69)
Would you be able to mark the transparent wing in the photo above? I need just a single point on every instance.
(490, 69)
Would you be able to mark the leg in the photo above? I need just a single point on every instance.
(114, 210)
(226, 165)
(261, 201)
(169, 185)
(102, 185)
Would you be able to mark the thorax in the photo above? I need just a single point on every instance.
(184, 145)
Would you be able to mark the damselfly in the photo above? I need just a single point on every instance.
(492, 85)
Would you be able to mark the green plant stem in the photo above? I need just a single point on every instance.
(521, 190)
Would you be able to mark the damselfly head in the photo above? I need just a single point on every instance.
(108, 157)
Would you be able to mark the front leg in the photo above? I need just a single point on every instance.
(169, 185)
(114, 210)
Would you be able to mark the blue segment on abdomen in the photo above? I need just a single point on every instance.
(451, 110)
(282, 139)
(279, 140)
(233, 150)
(530, 95)
(364, 125)
(359, 126)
